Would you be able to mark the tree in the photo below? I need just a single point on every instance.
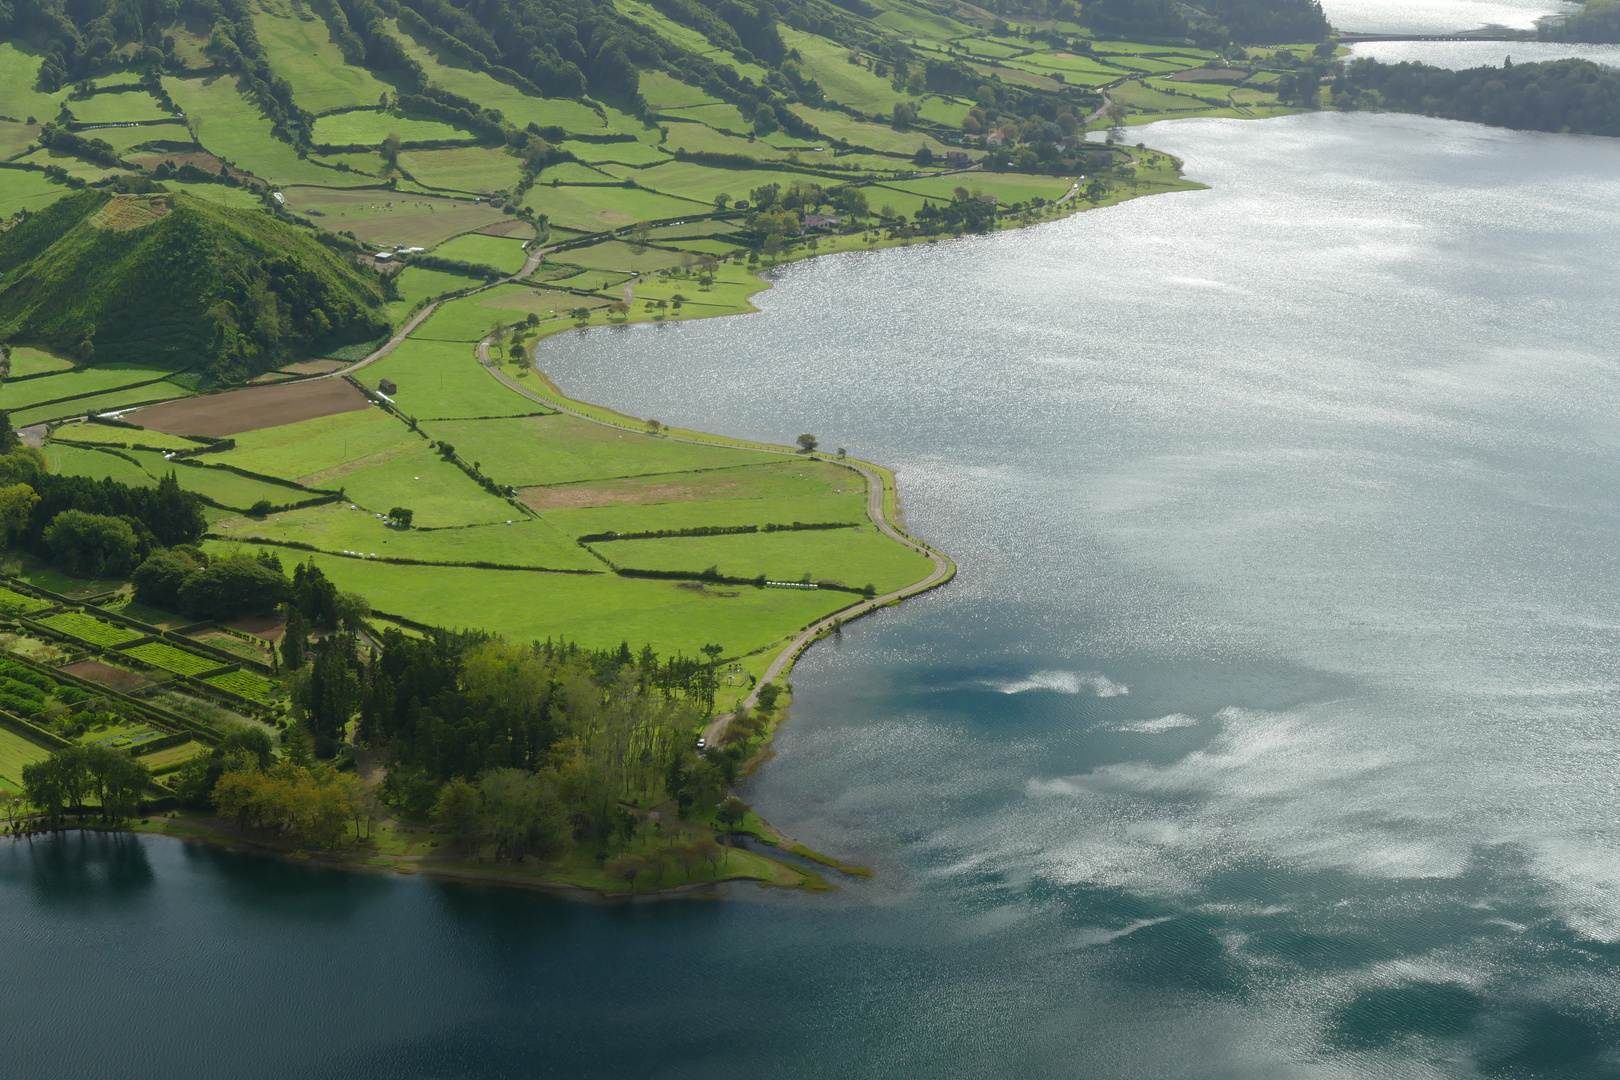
(91, 545)
(625, 868)
(8, 437)
(261, 509)
(16, 500)
(390, 148)
(639, 232)
(924, 157)
(295, 747)
(733, 810)
(457, 812)
(773, 245)
(807, 442)
(619, 308)
(721, 200)
(231, 585)
(294, 640)
(768, 693)
(401, 516)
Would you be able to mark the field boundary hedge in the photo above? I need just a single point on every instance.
(715, 530)
(398, 560)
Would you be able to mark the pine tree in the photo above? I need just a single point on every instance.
(294, 639)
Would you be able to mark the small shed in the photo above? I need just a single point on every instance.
(383, 256)
(388, 387)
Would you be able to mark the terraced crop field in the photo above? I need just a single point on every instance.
(170, 658)
(16, 603)
(88, 628)
(247, 684)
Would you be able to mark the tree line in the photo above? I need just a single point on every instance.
(1558, 95)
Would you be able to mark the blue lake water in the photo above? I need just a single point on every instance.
(1267, 731)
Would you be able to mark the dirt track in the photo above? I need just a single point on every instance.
(236, 411)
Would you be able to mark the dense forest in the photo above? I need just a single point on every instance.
(1597, 20)
(1559, 95)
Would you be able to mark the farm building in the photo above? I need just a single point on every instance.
(388, 387)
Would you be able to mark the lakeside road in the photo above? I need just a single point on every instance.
(943, 569)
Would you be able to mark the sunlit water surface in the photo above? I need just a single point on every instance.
(1438, 16)
(1267, 732)
(1459, 55)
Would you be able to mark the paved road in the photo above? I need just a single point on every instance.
(942, 571)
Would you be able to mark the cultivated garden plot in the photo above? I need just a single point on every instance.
(220, 415)
(169, 658)
(246, 684)
(89, 628)
(16, 603)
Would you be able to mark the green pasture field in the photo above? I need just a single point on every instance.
(519, 108)
(15, 603)
(917, 19)
(392, 217)
(220, 194)
(221, 485)
(1155, 65)
(170, 658)
(439, 379)
(76, 461)
(366, 163)
(15, 138)
(572, 172)
(562, 449)
(247, 684)
(466, 168)
(25, 189)
(466, 318)
(545, 303)
(827, 62)
(595, 610)
(96, 403)
(73, 166)
(27, 360)
(371, 126)
(229, 125)
(439, 492)
(15, 752)
(590, 281)
(1007, 187)
(87, 628)
(759, 495)
(122, 108)
(700, 138)
(721, 116)
(712, 227)
(618, 255)
(79, 382)
(880, 137)
(82, 431)
(1147, 99)
(299, 46)
(623, 153)
(335, 529)
(852, 557)
(117, 78)
(709, 247)
(172, 755)
(702, 183)
(160, 140)
(663, 91)
(496, 251)
(667, 28)
(595, 209)
(416, 283)
(19, 72)
(314, 452)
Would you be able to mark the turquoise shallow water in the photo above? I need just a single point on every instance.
(1266, 732)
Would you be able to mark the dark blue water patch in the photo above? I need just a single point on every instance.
(1384, 1015)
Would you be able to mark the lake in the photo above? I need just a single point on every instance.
(1267, 730)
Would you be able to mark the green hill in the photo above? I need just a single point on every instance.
(173, 281)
